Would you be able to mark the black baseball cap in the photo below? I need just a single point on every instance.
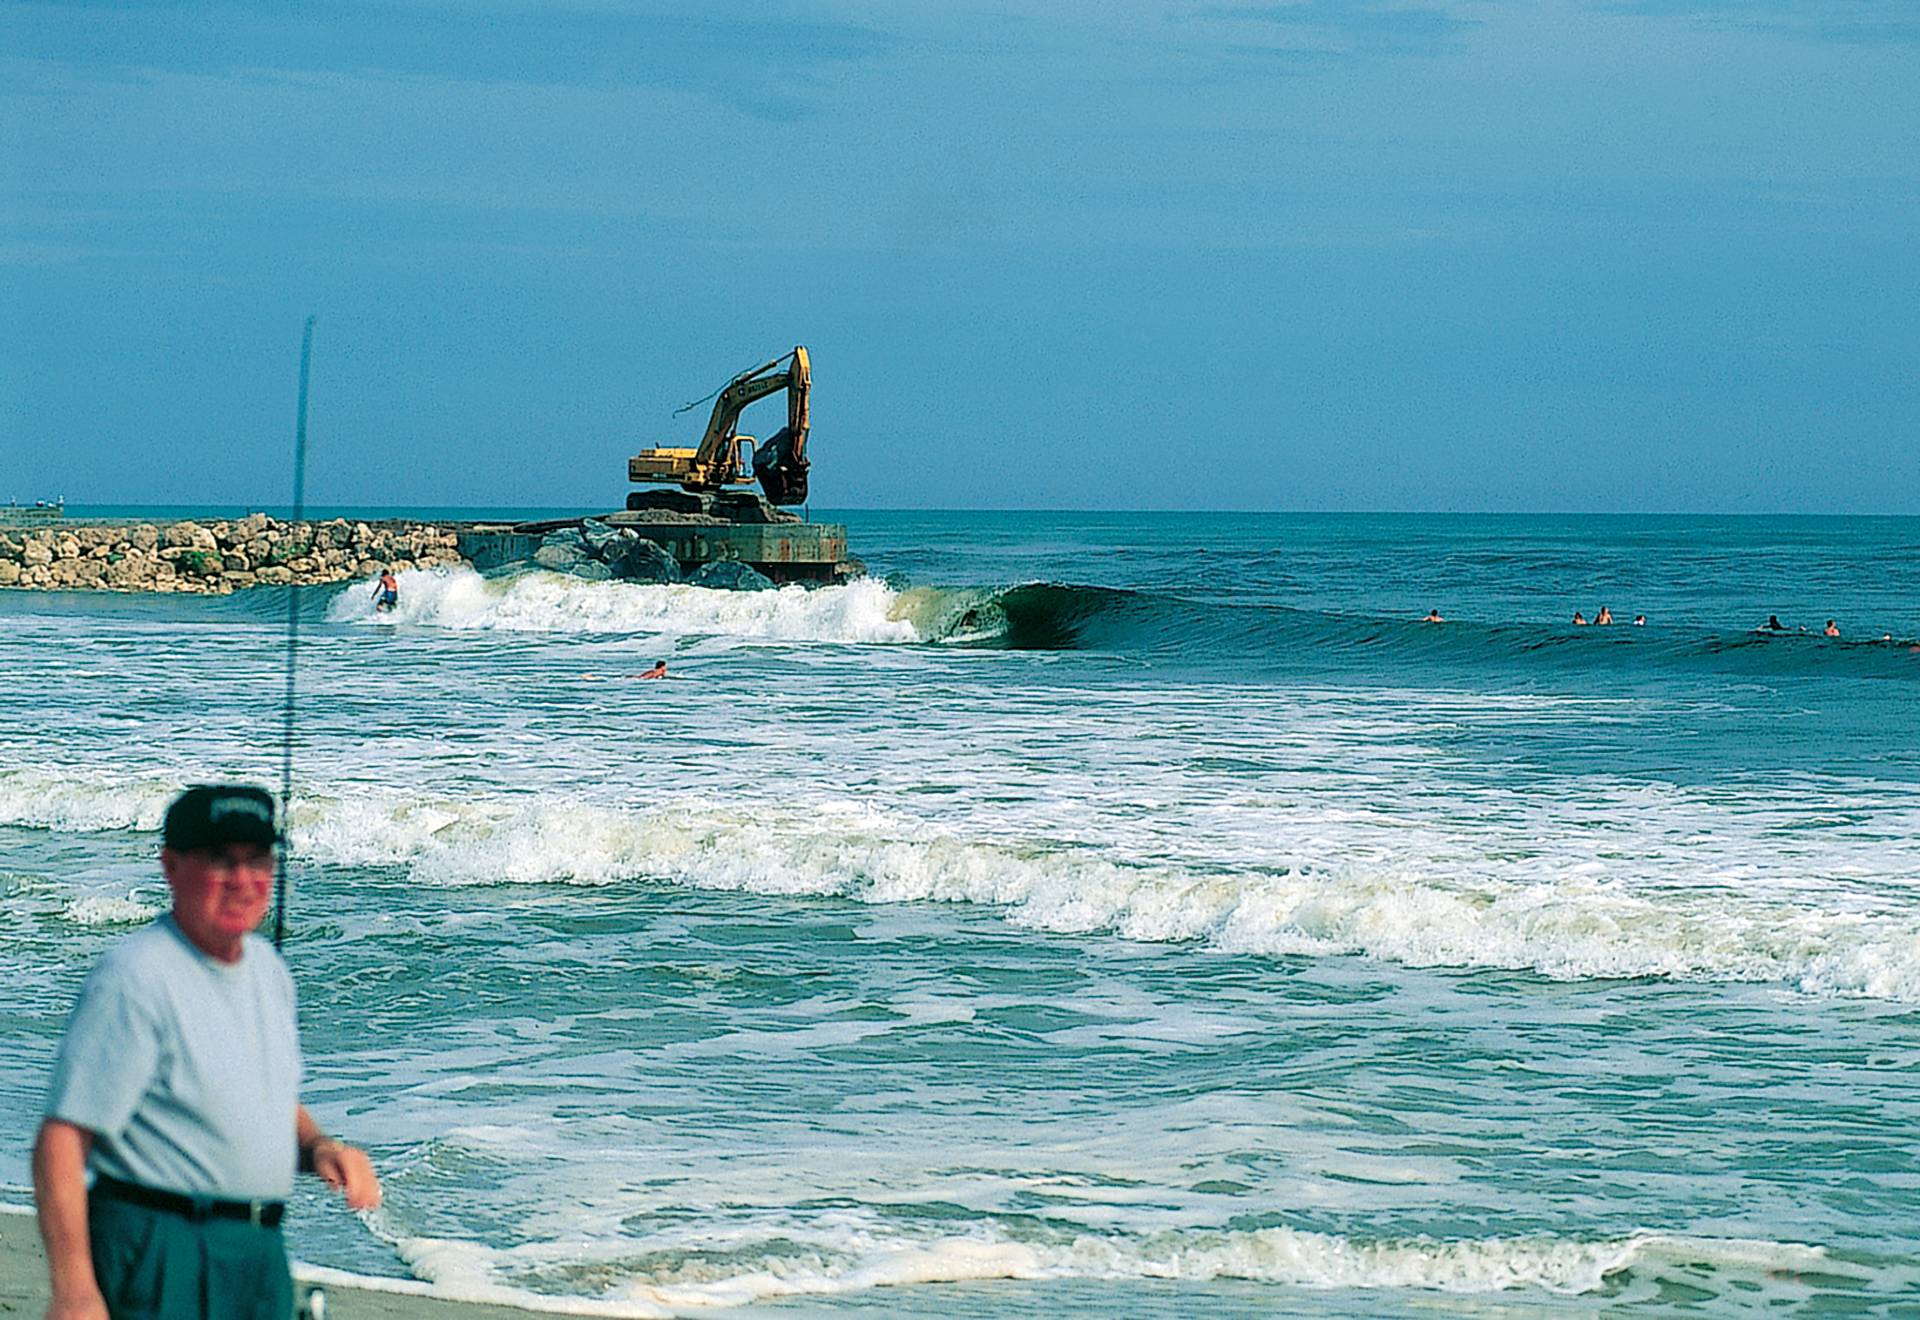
(210, 815)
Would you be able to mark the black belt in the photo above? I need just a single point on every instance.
(266, 1214)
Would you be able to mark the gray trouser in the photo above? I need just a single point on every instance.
(157, 1265)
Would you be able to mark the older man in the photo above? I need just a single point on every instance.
(177, 1085)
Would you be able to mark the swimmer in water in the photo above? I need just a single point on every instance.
(1433, 616)
(1773, 624)
(1604, 617)
(1579, 619)
(1831, 630)
(659, 670)
(1639, 620)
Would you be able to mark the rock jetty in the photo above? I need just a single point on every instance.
(214, 558)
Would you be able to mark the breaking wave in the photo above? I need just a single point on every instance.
(109, 910)
(1567, 925)
(540, 602)
(63, 802)
(1049, 616)
(1064, 617)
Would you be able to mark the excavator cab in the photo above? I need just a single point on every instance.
(681, 466)
(726, 458)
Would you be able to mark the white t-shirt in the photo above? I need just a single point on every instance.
(186, 1069)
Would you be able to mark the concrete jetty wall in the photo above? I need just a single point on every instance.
(213, 558)
(780, 552)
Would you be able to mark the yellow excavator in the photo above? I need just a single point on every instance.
(726, 458)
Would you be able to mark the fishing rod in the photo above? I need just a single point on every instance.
(293, 650)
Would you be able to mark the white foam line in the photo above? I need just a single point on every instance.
(1429, 901)
(517, 1298)
(1285, 1256)
(466, 1271)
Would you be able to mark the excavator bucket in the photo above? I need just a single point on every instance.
(781, 465)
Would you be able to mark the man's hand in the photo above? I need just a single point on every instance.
(347, 1169)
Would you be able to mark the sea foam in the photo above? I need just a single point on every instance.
(1565, 925)
(836, 1261)
(67, 800)
(109, 910)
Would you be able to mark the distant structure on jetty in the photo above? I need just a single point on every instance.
(37, 514)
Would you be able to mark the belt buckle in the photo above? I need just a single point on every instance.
(255, 1209)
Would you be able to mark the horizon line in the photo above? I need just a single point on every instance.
(579, 507)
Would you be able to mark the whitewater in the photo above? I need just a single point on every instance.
(1080, 915)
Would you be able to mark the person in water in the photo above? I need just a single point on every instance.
(659, 670)
(1773, 624)
(1433, 616)
(1831, 630)
(1639, 620)
(387, 592)
(1604, 617)
(1579, 619)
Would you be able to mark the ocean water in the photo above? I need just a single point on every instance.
(1084, 915)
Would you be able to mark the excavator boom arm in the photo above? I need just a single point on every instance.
(717, 444)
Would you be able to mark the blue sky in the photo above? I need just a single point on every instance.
(1646, 255)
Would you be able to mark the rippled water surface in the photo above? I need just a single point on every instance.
(1084, 915)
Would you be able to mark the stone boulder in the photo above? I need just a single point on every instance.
(189, 536)
(729, 575)
(127, 574)
(561, 550)
(196, 563)
(644, 561)
(600, 538)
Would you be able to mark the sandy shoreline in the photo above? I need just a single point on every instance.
(23, 1286)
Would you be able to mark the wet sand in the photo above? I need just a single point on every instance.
(23, 1287)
